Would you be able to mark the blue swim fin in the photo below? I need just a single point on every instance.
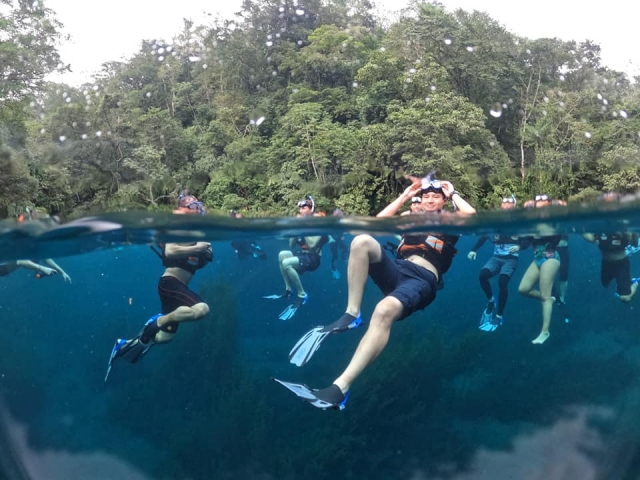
(330, 398)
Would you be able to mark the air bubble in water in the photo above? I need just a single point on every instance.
(281, 9)
(447, 41)
(382, 49)
(412, 70)
(623, 114)
(84, 136)
(546, 99)
(98, 133)
(194, 58)
(561, 77)
(496, 110)
(148, 94)
(68, 100)
(599, 97)
(587, 134)
(62, 138)
(299, 42)
(160, 58)
(269, 44)
(469, 48)
(605, 101)
(299, 11)
(161, 50)
(354, 84)
(42, 130)
(432, 88)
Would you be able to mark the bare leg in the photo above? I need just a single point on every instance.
(365, 250)
(627, 298)
(289, 266)
(185, 314)
(282, 256)
(528, 282)
(548, 272)
(388, 310)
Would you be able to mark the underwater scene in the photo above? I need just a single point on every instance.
(451, 397)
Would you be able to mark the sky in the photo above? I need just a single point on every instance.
(115, 29)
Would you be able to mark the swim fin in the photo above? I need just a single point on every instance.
(290, 311)
(134, 349)
(330, 398)
(286, 294)
(130, 350)
(309, 344)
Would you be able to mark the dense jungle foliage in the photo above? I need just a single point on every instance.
(326, 99)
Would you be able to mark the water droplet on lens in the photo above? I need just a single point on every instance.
(274, 73)
(587, 134)
(256, 117)
(62, 138)
(546, 99)
(281, 9)
(161, 50)
(496, 110)
(299, 42)
(32, 104)
(599, 97)
(160, 58)
(299, 11)
(269, 44)
(68, 100)
(277, 35)
(492, 143)
(194, 58)
(623, 114)
(505, 106)
(148, 94)
(528, 51)
(98, 133)
(42, 130)
(605, 101)
(382, 49)
(84, 136)
(561, 78)
(412, 70)
(447, 41)
(432, 88)
(469, 48)
(354, 84)
(269, 37)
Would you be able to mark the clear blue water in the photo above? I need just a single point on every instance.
(444, 401)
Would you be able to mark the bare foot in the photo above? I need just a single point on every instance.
(541, 338)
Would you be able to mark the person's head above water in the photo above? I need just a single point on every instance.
(307, 206)
(188, 204)
(509, 202)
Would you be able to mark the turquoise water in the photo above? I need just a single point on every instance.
(444, 401)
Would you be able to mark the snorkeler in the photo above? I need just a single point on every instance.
(503, 263)
(7, 268)
(179, 303)
(245, 248)
(543, 270)
(305, 257)
(615, 262)
(409, 284)
(337, 245)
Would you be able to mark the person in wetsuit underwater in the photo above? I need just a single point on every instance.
(503, 263)
(178, 302)
(409, 283)
(245, 248)
(615, 262)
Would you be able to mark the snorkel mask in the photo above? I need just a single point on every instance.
(307, 202)
(191, 203)
(429, 184)
(510, 199)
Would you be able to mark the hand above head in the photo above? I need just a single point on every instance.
(447, 188)
(415, 188)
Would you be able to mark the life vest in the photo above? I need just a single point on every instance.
(438, 249)
(613, 242)
(190, 263)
